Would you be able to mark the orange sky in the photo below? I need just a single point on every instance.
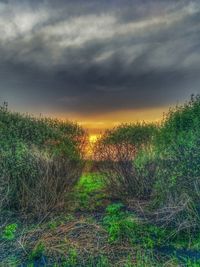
(98, 123)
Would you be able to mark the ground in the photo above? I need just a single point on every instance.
(93, 231)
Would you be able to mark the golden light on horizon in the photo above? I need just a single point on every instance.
(93, 138)
(96, 124)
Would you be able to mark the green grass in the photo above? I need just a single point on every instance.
(122, 225)
(89, 194)
(90, 183)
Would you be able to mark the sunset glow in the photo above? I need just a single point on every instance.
(93, 138)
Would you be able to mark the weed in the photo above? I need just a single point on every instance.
(123, 225)
(117, 223)
(9, 231)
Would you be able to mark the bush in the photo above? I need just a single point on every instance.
(39, 183)
(145, 165)
(115, 154)
(162, 162)
(177, 189)
(57, 136)
(40, 162)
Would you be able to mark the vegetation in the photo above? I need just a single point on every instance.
(40, 161)
(177, 178)
(116, 153)
(9, 231)
(140, 207)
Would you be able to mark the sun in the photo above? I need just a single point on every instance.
(93, 138)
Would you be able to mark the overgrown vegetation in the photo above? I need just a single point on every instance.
(177, 186)
(40, 161)
(141, 206)
(159, 163)
(116, 153)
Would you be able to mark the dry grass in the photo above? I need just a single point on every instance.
(87, 238)
(179, 216)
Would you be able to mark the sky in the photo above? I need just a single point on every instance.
(100, 63)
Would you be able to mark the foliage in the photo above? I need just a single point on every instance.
(58, 137)
(138, 134)
(123, 225)
(145, 166)
(115, 153)
(71, 242)
(9, 231)
(90, 182)
(145, 260)
(159, 163)
(178, 174)
(116, 223)
(190, 263)
(40, 161)
(39, 182)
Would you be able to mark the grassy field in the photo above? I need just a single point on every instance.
(136, 202)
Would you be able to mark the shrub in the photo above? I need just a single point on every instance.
(58, 136)
(40, 162)
(177, 189)
(145, 166)
(39, 183)
(115, 154)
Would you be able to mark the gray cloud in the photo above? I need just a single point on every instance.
(99, 56)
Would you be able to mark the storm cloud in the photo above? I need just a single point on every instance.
(94, 57)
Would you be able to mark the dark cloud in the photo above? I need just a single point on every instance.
(94, 57)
